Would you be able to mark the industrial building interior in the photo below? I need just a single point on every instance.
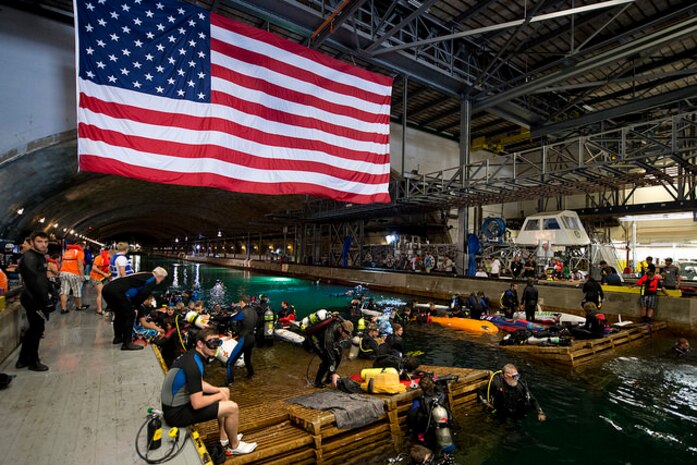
(510, 108)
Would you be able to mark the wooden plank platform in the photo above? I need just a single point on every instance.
(585, 351)
(288, 433)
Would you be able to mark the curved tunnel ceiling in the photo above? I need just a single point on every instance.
(46, 184)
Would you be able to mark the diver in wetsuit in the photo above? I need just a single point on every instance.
(510, 397)
(594, 327)
(324, 339)
(247, 318)
(368, 347)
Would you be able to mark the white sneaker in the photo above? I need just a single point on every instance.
(242, 448)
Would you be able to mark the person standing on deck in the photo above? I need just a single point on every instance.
(187, 399)
(530, 299)
(670, 274)
(120, 264)
(650, 283)
(72, 276)
(35, 300)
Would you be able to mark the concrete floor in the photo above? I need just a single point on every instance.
(88, 407)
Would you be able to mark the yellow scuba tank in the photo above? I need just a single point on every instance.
(314, 318)
(368, 372)
(268, 323)
(355, 347)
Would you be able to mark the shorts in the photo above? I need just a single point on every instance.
(96, 282)
(649, 301)
(71, 281)
(185, 415)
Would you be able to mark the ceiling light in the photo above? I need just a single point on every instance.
(658, 217)
(42, 219)
(20, 211)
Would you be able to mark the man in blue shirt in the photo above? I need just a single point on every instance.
(188, 399)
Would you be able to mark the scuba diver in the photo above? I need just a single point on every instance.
(508, 396)
(423, 455)
(429, 418)
(286, 315)
(509, 300)
(594, 327)
(368, 347)
(324, 338)
(475, 306)
(394, 344)
(592, 291)
(247, 318)
(681, 348)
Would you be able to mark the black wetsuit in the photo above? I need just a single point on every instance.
(35, 299)
(530, 298)
(509, 401)
(509, 302)
(123, 296)
(260, 335)
(475, 306)
(325, 343)
(368, 348)
(593, 292)
(247, 318)
(593, 328)
(394, 345)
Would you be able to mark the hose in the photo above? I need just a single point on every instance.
(165, 458)
(179, 333)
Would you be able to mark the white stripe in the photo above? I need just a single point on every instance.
(299, 61)
(275, 103)
(198, 138)
(229, 170)
(259, 72)
(208, 110)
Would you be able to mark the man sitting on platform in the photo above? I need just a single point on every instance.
(188, 399)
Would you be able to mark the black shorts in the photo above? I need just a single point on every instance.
(186, 415)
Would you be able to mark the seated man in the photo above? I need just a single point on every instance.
(188, 399)
(143, 327)
(369, 347)
(594, 327)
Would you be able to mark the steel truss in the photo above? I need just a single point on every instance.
(607, 167)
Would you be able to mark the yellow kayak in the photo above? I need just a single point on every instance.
(636, 289)
(466, 324)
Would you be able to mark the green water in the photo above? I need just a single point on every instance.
(634, 409)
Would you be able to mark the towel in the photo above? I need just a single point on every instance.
(351, 410)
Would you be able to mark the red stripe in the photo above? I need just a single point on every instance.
(282, 67)
(97, 164)
(195, 123)
(295, 96)
(297, 49)
(296, 120)
(179, 150)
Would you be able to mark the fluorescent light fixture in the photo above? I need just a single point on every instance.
(42, 219)
(587, 107)
(658, 217)
(391, 238)
(20, 210)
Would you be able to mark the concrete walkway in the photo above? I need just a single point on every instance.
(88, 407)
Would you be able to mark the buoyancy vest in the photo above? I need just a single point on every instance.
(649, 287)
(115, 270)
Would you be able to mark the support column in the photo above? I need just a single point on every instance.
(404, 124)
(463, 212)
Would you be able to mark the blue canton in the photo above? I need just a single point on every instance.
(160, 48)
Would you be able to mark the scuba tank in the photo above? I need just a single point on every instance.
(314, 318)
(268, 323)
(440, 418)
(154, 429)
(355, 347)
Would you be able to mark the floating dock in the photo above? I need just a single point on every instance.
(584, 351)
(288, 433)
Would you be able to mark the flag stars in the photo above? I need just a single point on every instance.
(149, 77)
(171, 81)
(114, 37)
(137, 21)
(192, 23)
(201, 75)
(114, 15)
(160, 6)
(159, 89)
(160, 69)
(101, 43)
(201, 96)
(160, 47)
(112, 78)
(125, 8)
(90, 74)
(171, 19)
(192, 43)
(182, 51)
(149, 57)
(182, 31)
(201, 16)
(101, 22)
(191, 83)
(181, 72)
(89, 6)
(137, 85)
(149, 14)
(101, 65)
(192, 64)
(160, 27)
(181, 11)
(126, 30)
(150, 35)
(172, 39)
(89, 50)
(138, 43)
(126, 52)
(201, 35)
(113, 58)
(180, 93)
(202, 54)
(137, 65)
(89, 28)
(171, 60)
(125, 71)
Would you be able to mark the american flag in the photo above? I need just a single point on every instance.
(171, 93)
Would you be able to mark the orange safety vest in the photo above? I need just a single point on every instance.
(70, 259)
(102, 265)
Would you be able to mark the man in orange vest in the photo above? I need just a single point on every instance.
(72, 274)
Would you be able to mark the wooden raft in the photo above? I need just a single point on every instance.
(585, 351)
(288, 433)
